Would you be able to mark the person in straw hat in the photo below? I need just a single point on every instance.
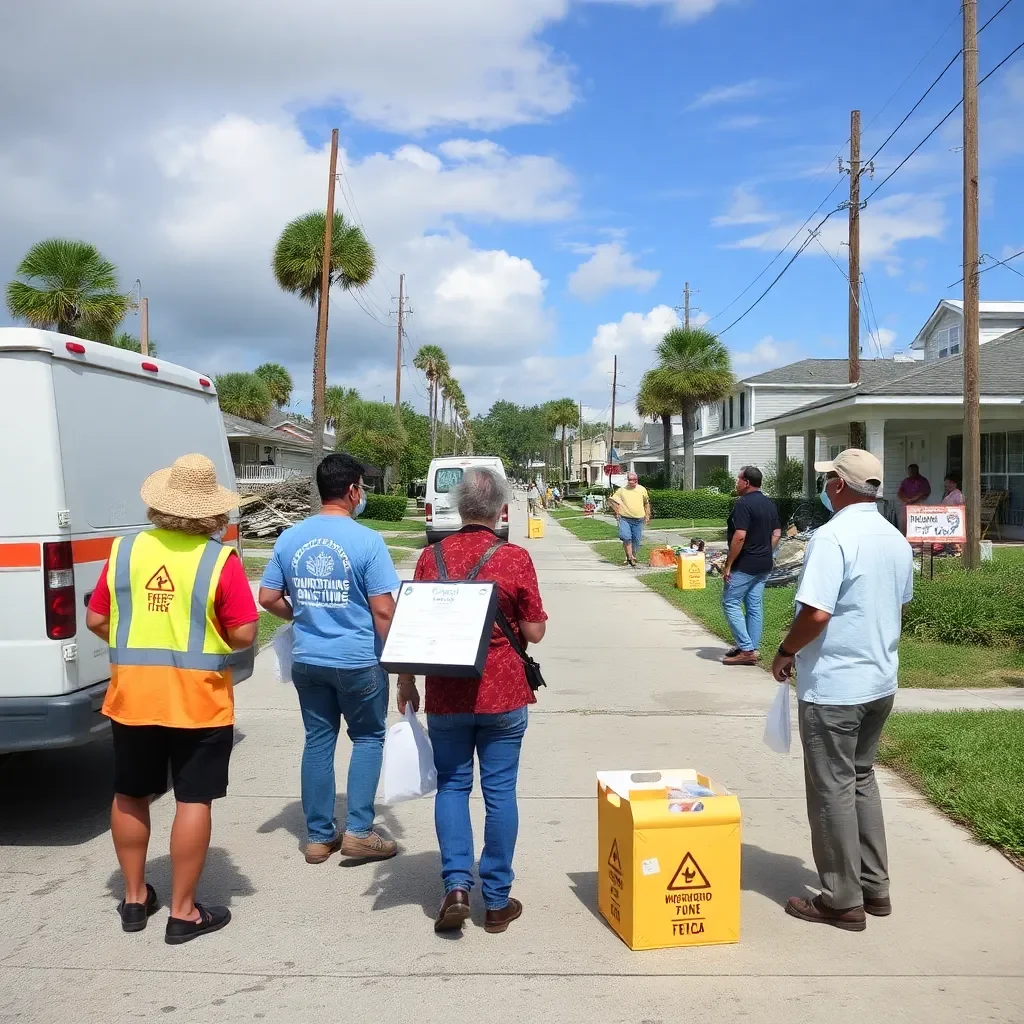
(172, 603)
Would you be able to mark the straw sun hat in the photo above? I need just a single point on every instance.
(188, 489)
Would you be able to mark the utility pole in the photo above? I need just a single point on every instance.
(144, 326)
(579, 468)
(686, 305)
(611, 446)
(972, 412)
(398, 347)
(856, 440)
(320, 350)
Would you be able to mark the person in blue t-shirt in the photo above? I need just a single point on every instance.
(334, 579)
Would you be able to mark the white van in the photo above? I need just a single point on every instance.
(81, 426)
(444, 474)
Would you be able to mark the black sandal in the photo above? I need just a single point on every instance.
(134, 916)
(211, 919)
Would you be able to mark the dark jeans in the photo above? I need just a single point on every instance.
(325, 696)
(497, 741)
(843, 804)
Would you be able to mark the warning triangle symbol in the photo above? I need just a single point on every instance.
(689, 876)
(161, 581)
(613, 857)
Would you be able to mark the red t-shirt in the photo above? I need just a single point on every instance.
(233, 604)
(503, 686)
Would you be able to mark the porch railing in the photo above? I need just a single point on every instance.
(256, 477)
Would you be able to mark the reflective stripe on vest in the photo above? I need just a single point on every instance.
(150, 657)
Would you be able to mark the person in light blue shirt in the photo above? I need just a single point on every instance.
(857, 577)
(334, 578)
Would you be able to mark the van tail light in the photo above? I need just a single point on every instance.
(59, 590)
(428, 508)
(504, 514)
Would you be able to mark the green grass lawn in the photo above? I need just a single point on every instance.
(254, 567)
(267, 628)
(407, 542)
(923, 663)
(612, 551)
(403, 525)
(968, 763)
(565, 512)
(591, 529)
(686, 524)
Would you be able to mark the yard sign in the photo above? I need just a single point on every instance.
(938, 523)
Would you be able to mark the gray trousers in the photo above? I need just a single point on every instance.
(843, 805)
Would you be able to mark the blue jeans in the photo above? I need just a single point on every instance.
(325, 696)
(631, 531)
(497, 741)
(744, 589)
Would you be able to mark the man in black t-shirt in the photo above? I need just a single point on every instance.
(754, 530)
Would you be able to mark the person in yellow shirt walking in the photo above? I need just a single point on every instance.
(632, 507)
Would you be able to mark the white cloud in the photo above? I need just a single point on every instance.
(883, 338)
(885, 224)
(745, 90)
(765, 355)
(684, 10)
(746, 208)
(610, 266)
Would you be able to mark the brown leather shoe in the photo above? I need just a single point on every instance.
(878, 906)
(742, 658)
(373, 847)
(317, 853)
(850, 920)
(497, 921)
(453, 913)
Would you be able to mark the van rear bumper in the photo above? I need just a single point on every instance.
(44, 723)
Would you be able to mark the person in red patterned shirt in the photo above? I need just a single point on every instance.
(486, 716)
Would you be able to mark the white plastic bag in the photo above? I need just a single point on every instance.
(408, 771)
(776, 725)
(282, 643)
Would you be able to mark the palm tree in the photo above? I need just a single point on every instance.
(372, 431)
(562, 412)
(434, 364)
(298, 266)
(335, 400)
(278, 380)
(456, 400)
(693, 369)
(652, 404)
(68, 287)
(128, 341)
(244, 395)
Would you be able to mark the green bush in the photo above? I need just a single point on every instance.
(720, 477)
(690, 505)
(654, 481)
(388, 507)
(959, 607)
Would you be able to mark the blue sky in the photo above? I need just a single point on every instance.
(548, 173)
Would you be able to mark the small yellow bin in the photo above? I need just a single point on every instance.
(667, 876)
(690, 571)
(535, 528)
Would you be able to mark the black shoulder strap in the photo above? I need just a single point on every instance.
(442, 569)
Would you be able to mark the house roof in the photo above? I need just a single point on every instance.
(1000, 370)
(236, 426)
(832, 372)
(994, 310)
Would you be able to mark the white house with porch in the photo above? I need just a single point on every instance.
(917, 417)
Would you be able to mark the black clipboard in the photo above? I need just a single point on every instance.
(421, 665)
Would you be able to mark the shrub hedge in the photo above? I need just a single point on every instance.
(387, 507)
(690, 504)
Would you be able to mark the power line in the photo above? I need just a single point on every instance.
(874, 315)
(994, 16)
(998, 263)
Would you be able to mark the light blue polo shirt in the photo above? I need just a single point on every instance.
(860, 569)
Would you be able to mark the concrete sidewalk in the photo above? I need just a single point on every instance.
(633, 684)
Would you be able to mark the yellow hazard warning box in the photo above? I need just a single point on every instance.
(535, 528)
(690, 571)
(668, 858)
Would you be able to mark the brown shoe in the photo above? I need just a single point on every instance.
(850, 920)
(742, 658)
(317, 853)
(497, 921)
(878, 906)
(453, 913)
(372, 847)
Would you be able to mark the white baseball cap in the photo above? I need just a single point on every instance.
(857, 467)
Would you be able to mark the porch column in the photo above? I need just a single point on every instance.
(874, 439)
(780, 450)
(810, 454)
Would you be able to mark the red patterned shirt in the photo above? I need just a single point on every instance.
(503, 686)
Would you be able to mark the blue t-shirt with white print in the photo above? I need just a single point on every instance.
(330, 567)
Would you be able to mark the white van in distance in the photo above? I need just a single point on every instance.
(444, 475)
(82, 425)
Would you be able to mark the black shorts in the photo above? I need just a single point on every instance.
(196, 758)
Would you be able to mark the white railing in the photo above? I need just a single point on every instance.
(252, 475)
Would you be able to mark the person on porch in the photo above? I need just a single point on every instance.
(915, 490)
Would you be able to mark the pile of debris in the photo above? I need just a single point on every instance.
(267, 514)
